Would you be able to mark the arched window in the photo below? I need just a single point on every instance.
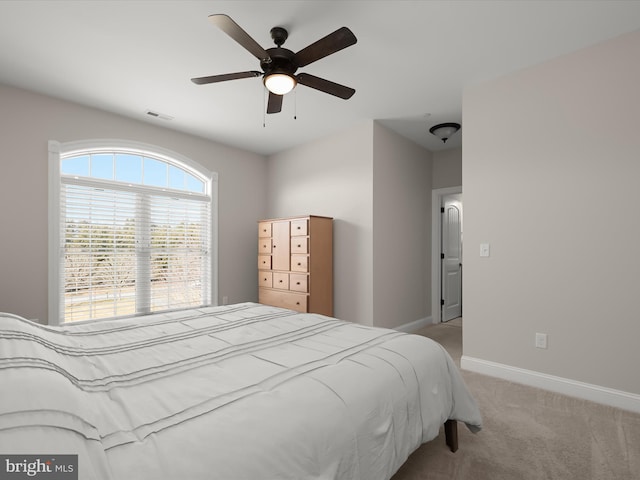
(131, 231)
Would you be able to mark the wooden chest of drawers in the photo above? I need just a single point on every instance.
(295, 263)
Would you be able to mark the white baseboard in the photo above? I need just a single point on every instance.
(573, 388)
(416, 325)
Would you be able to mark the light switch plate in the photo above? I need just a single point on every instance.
(484, 249)
(541, 340)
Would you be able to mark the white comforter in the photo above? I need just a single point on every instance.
(243, 391)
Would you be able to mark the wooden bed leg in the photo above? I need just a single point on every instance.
(451, 434)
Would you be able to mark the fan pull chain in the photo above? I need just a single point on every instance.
(264, 108)
(295, 104)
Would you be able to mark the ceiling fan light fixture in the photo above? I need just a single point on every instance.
(444, 130)
(279, 64)
(279, 83)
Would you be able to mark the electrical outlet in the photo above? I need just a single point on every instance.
(541, 340)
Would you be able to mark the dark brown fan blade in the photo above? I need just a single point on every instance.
(231, 28)
(332, 43)
(325, 86)
(225, 77)
(274, 105)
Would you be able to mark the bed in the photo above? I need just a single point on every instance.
(235, 392)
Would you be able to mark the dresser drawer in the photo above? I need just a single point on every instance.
(264, 229)
(299, 227)
(281, 280)
(292, 301)
(264, 245)
(299, 263)
(299, 245)
(264, 262)
(265, 279)
(299, 282)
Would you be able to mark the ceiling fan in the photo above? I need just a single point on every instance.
(280, 64)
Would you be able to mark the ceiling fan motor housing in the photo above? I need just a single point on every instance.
(282, 61)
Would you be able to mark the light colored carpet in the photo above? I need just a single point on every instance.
(528, 434)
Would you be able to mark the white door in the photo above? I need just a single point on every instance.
(451, 257)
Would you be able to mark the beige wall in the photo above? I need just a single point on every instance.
(447, 168)
(401, 230)
(377, 187)
(28, 121)
(334, 177)
(551, 177)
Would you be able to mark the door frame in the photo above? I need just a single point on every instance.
(436, 247)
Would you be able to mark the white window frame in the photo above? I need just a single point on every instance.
(57, 150)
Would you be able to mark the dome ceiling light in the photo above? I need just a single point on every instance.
(444, 130)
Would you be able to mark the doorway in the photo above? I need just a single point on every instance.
(451, 257)
(446, 244)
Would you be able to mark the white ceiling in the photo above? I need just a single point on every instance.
(410, 66)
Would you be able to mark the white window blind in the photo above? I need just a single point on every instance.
(130, 249)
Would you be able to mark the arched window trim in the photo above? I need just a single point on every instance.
(57, 150)
(127, 146)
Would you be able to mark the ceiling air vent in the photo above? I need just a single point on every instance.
(159, 115)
